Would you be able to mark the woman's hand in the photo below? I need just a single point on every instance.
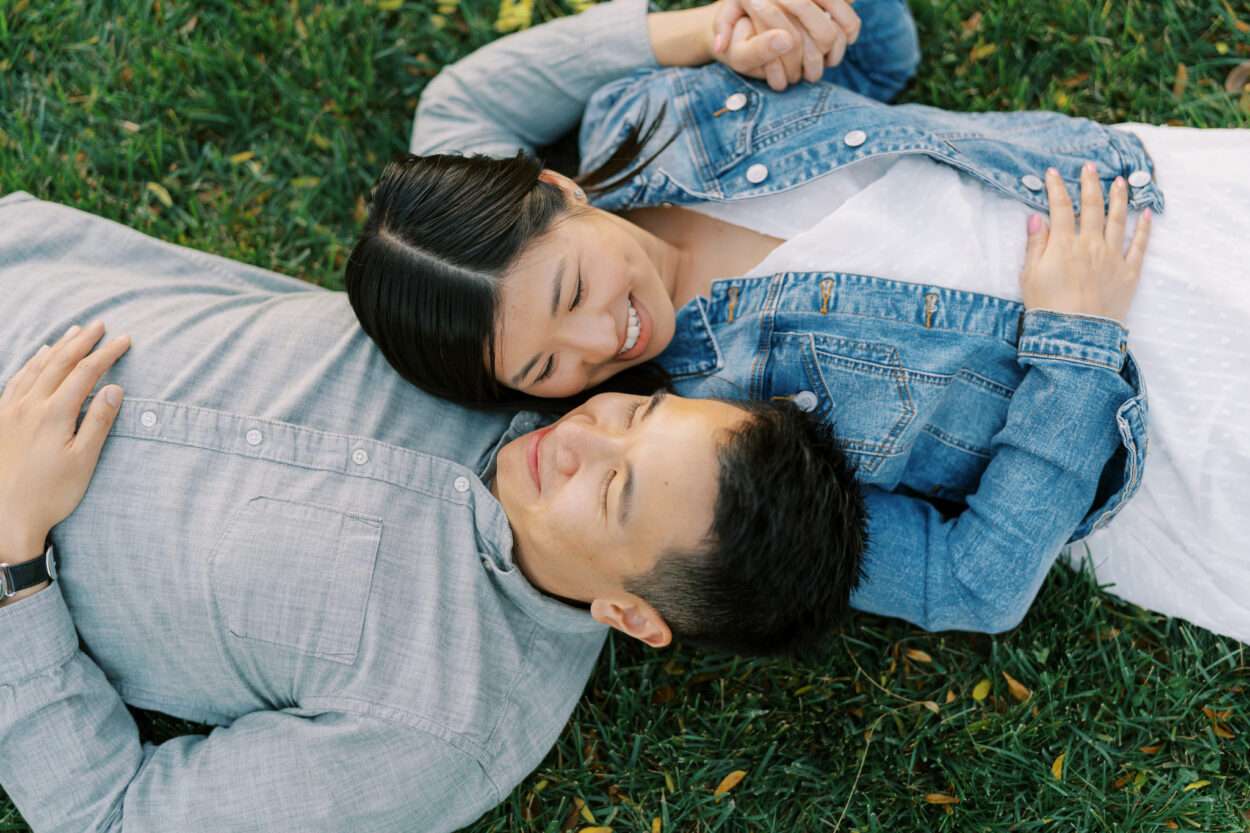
(816, 34)
(1085, 272)
(46, 459)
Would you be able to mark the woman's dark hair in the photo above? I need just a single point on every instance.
(424, 277)
(789, 530)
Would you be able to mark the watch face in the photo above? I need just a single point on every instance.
(51, 563)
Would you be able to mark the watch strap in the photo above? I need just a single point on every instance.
(18, 577)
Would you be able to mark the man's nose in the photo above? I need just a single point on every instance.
(581, 440)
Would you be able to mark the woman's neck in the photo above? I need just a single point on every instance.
(690, 250)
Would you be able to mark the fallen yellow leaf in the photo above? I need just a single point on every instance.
(595, 830)
(1222, 731)
(670, 783)
(730, 781)
(981, 690)
(389, 5)
(932, 706)
(161, 194)
(656, 826)
(941, 798)
(1182, 80)
(950, 696)
(1149, 750)
(917, 655)
(584, 810)
(983, 51)
(1017, 689)
(305, 182)
(1056, 769)
(1196, 785)
(241, 157)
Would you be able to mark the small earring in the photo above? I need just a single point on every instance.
(581, 195)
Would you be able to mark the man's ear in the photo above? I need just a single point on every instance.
(632, 616)
(570, 188)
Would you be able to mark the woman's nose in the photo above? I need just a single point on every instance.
(595, 338)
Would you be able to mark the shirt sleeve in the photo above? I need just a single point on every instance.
(981, 569)
(528, 89)
(72, 761)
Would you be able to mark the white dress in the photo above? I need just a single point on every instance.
(1182, 545)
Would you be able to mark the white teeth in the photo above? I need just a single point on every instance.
(631, 330)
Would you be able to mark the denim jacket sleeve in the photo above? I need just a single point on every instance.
(980, 570)
(72, 761)
(528, 89)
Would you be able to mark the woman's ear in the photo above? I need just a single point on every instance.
(632, 616)
(571, 189)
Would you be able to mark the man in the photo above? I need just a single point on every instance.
(285, 540)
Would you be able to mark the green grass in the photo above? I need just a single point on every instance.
(146, 112)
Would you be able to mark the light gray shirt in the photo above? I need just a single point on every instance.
(283, 539)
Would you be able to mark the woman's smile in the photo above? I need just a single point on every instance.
(637, 331)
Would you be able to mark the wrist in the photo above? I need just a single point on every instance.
(682, 38)
(18, 546)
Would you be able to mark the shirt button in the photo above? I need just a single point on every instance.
(736, 101)
(805, 401)
(254, 437)
(1139, 178)
(1032, 182)
(360, 456)
(148, 418)
(461, 484)
(855, 138)
(757, 173)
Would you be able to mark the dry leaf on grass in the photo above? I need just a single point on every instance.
(940, 798)
(981, 690)
(1017, 689)
(729, 782)
(1056, 768)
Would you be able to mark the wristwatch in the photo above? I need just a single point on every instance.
(18, 577)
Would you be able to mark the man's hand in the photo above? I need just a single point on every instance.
(46, 459)
(1085, 272)
(783, 40)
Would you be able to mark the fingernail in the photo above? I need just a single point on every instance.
(1091, 168)
(1119, 182)
(781, 42)
(1147, 214)
(716, 44)
(1035, 224)
(72, 331)
(42, 350)
(113, 396)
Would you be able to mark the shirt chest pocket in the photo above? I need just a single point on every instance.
(296, 576)
(863, 391)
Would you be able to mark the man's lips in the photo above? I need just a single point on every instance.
(536, 439)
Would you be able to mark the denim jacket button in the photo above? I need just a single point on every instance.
(1139, 178)
(1033, 183)
(855, 138)
(756, 174)
(460, 484)
(806, 401)
(736, 101)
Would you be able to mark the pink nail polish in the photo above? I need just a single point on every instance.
(1035, 224)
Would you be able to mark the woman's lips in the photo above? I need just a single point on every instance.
(644, 332)
(532, 456)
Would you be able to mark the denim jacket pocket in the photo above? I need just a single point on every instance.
(269, 590)
(863, 392)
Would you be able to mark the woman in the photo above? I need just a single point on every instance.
(482, 278)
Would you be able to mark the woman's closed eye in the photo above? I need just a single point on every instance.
(550, 366)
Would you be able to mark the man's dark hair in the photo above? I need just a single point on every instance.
(784, 552)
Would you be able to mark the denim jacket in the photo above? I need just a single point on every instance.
(924, 385)
(986, 437)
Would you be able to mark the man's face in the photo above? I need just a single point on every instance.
(600, 495)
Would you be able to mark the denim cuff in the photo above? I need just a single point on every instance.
(1069, 337)
(38, 635)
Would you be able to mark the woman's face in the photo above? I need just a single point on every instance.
(581, 304)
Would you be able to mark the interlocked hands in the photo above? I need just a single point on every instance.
(783, 41)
